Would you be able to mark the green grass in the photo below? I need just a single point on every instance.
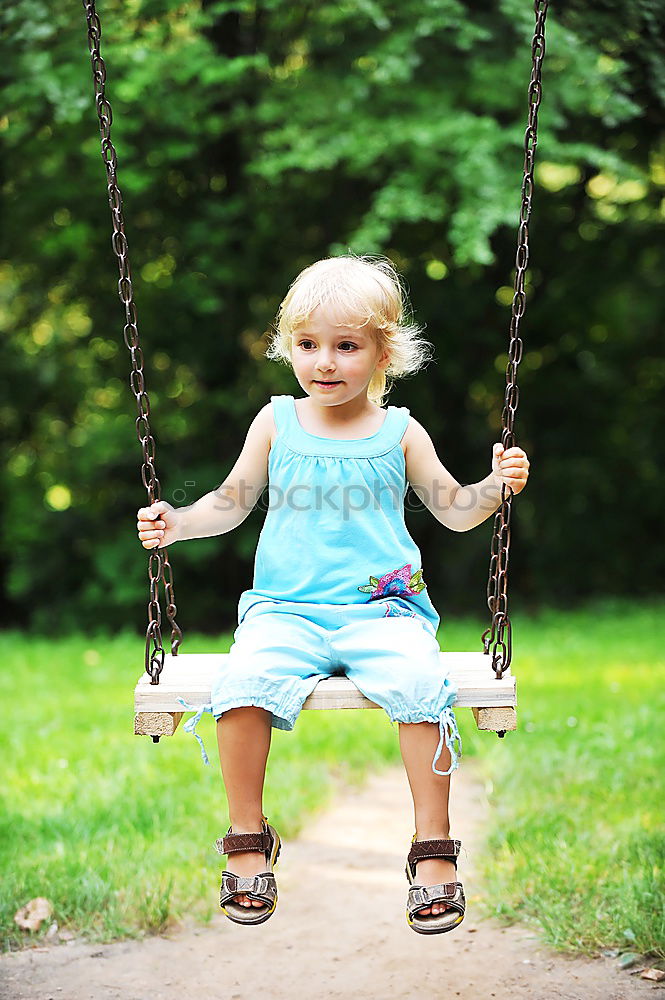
(118, 832)
(578, 839)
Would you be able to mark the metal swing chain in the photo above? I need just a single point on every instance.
(158, 563)
(500, 631)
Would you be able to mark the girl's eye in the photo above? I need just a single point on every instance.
(306, 344)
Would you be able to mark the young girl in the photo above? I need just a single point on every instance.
(338, 582)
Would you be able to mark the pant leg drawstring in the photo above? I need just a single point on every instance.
(448, 730)
(191, 724)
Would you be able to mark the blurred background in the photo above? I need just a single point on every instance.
(254, 138)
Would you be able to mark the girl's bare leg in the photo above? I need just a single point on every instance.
(418, 742)
(243, 737)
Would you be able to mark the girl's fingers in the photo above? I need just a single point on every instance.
(150, 526)
(152, 537)
(152, 512)
(512, 477)
(146, 514)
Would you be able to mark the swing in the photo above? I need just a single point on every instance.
(490, 691)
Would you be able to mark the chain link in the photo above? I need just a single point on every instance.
(500, 631)
(158, 563)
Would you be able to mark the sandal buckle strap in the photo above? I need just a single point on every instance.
(234, 843)
(446, 849)
(251, 883)
(425, 894)
(261, 887)
(451, 893)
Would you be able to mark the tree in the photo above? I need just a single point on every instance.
(254, 138)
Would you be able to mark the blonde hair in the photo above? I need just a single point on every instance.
(362, 291)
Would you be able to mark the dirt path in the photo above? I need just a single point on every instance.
(346, 939)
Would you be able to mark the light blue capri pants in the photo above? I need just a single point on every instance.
(282, 649)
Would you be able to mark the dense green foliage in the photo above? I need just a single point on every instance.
(254, 138)
(119, 833)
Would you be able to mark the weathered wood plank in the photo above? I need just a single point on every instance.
(496, 720)
(156, 723)
(189, 675)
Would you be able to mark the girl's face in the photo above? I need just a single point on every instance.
(334, 364)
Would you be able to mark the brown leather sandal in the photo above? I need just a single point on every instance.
(450, 893)
(262, 887)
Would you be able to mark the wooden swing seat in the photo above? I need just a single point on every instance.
(189, 676)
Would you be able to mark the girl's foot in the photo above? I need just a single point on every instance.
(247, 863)
(432, 871)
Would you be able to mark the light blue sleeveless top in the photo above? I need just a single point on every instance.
(335, 532)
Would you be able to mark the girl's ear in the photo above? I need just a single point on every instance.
(383, 360)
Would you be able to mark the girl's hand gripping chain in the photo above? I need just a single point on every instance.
(510, 467)
(157, 525)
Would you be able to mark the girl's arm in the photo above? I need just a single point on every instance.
(458, 507)
(224, 508)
